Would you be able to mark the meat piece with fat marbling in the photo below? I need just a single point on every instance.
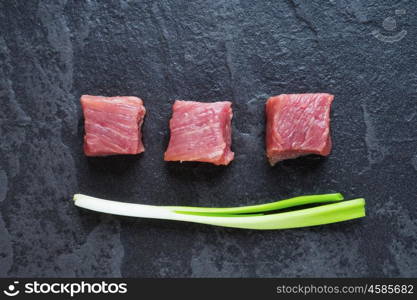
(297, 125)
(112, 125)
(201, 131)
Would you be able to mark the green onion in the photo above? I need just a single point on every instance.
(301, 200)
(239, 217)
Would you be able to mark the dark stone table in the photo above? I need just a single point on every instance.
(53, 51)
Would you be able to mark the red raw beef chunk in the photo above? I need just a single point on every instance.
(201, 132)
(297, 125)
(112, 125)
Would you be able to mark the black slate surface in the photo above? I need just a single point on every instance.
(53, 51)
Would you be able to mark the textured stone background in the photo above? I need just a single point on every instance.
(53, 51)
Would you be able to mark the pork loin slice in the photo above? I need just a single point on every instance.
(297, 125)
(112, 125)
(201, 132)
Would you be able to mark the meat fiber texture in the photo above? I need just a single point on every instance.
(201, 132)
(298, 125)
(112, 125)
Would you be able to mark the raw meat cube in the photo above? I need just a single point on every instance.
(297, 125)
(112, 125)
(201, 132)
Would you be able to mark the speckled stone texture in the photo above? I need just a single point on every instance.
(52, 51)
